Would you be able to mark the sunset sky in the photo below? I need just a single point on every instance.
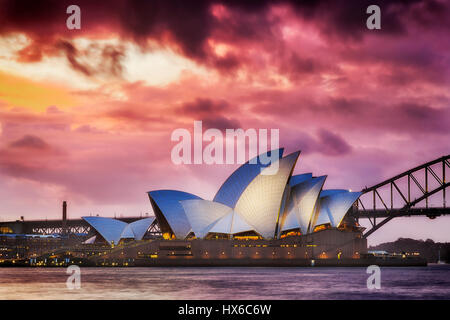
(86, 115)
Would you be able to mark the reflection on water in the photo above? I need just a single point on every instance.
(432, 282)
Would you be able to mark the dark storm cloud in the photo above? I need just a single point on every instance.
(71, 54)
(421, 118)
(222, 123)
(203, 106)
(332, 144)
(347, 19)
(29, 141)
(97, 59)
(186, 25)
(324, 142)
(27, 156)
(296, 67)
(409, 117)
(228, 63)
(213, 113)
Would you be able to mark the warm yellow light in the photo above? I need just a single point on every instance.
(167, 236)
(18, 91)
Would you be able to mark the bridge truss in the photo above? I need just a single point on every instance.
(73, 227)
(400, 195)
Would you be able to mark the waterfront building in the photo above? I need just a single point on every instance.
(251, 203)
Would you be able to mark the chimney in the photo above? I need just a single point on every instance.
(64, 217)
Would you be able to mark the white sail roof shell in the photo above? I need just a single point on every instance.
(321, 216)
(91, 240)
(328, 192)
(168, 201)
(127, 233)
(223, 225)
(299, 178)
(203, 214)
(290, 222)
(232, 223)
(112, 230)
(303, 201)
(231, 190)
(260, 202)
(333, 205)
(140, 227)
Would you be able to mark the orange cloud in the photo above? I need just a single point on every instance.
(18, 91)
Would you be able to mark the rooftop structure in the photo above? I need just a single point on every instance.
(256, 200)
(113, 230)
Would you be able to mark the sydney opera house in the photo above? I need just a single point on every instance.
(258, 214)
(251, 203)
(262, 215)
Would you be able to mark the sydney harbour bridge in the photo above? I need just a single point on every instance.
(420, 191)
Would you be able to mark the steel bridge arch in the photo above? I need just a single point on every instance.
(389, 212)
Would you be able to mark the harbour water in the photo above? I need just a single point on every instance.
(432, 282)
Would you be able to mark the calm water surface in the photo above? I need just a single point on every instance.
(432, 282)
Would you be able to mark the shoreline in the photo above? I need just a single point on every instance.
(233, 263)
